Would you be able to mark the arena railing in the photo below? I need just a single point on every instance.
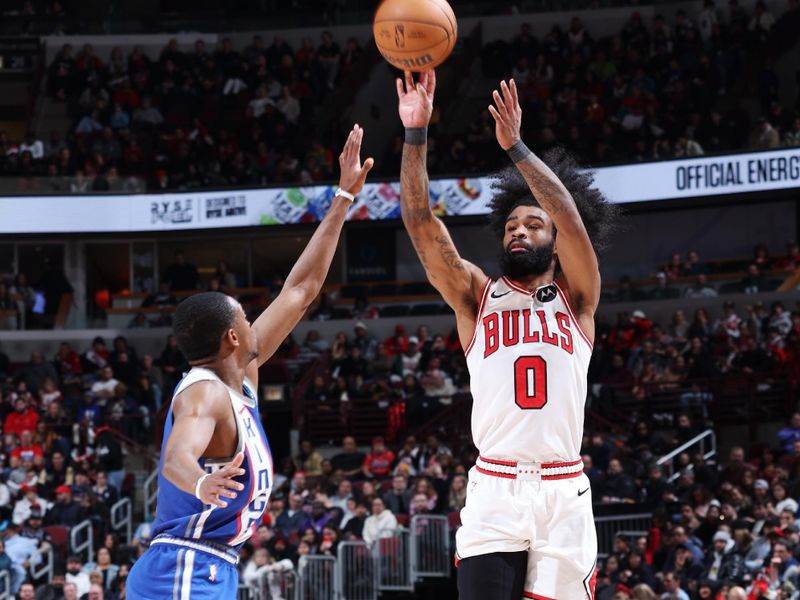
(278, 585)
(392, 555)
(706, 444)
(430, 546)
(122, 518)
(78, 545)
(318, 577)
(357, 575)
(150, 493)
(609, 527)
(5, 585)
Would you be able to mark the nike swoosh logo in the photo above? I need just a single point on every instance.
(583, 492)
(494, 295)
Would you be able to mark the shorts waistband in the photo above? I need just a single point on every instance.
(529, 470)
(219, 550)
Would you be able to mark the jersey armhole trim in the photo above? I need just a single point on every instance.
(572, 316)
(478, 315)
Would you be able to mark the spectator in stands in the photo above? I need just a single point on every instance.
(407, 363)
(700, 288)
(398, 499)
(181, 275)
(344, 492)
(293, 517)
(317, 518)
(366, 343)
(104, 388)
(65, 511)
(722, 562)
(308, 460)
(105, 566)
(458, 493)
(96, 357)
(790, 434)
(163, 298)
(349, 460)
(27, 504)
(381, 523)
(24, 418)
(397, 344)
(378, 463)
(23, 552)
(77, 576)
(618, 486)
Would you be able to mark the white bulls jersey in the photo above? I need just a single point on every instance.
(528, 361)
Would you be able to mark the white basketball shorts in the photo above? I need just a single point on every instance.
(545, 509)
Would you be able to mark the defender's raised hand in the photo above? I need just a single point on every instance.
(507, 115)
(416, 99)
(353, 173)
(220, 484)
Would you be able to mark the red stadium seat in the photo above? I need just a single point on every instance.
(454, 519)
(59, 535)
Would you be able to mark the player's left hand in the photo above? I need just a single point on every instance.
(507, 115)
(353, 173)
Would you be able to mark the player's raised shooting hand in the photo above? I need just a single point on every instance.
(220, 484)
(507, 115)
(416, 99)
(353, 173)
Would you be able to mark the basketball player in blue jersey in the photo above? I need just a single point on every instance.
(527, 530)
(216, 469)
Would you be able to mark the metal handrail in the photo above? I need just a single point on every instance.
(698, 439)
(77, 547)
(125, 520)
(150, 493)
(47, 569)
(5, 591)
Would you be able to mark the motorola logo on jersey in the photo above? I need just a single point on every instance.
(512, 327)
(546, 294)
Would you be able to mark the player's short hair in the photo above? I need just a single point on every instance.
(200, 322)
(599, 216)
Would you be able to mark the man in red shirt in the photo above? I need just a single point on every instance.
(23, 418)
(27, 450)
(379, 461)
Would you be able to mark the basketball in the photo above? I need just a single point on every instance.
(415, 35)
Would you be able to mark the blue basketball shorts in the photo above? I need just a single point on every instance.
(178, 569)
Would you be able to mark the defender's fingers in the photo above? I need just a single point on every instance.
(514, 94)
(400, 88)
(237, 460)
(409, 81)
(368, 164)
(499, 101)
(495, 114)
(230, 484)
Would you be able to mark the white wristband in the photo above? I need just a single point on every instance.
(345, 194)
(200, 481)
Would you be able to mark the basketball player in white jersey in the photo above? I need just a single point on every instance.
(527, 527)
(216, 468)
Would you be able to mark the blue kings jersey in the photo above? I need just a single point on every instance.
(182, 515)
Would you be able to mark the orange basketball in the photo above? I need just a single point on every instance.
(415, 35)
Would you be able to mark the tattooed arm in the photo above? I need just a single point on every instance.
(574, 248)
(457, 280)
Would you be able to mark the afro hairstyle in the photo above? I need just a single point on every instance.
(600, 217)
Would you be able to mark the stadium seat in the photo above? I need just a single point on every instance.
(425, 309)
(353, 291)
(59, 538)
(383, 289)
(394, 310)
(454, 519)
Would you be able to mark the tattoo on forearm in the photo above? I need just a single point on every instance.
(546, 187)
(414, 192)
(449, 253)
